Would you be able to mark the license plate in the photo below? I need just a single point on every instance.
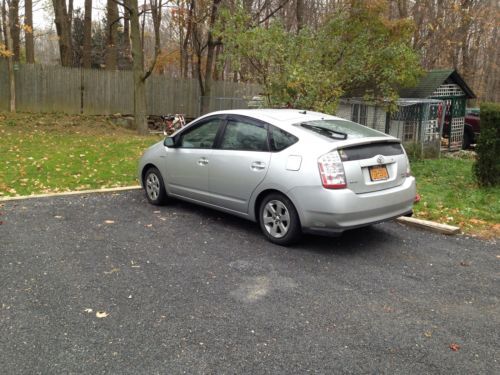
(378, 173)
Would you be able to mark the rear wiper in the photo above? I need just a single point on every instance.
(325, 131)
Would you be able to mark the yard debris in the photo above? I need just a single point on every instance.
(112, 271)
(455, 347)
(101, 314)
(109, 221)
(428, 334)
(464, 264)
(88, 310)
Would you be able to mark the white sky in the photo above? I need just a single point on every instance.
(43, 12)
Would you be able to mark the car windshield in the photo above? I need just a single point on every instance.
(340, 129)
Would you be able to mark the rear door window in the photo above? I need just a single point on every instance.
(244, 136)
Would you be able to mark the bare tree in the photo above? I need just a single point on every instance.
(10, 68)
(15, 32)
(63, 28)
(112, 22)
(29, 41)
(87, 36)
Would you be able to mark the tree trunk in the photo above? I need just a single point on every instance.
(207, 87)
(87, 35)
(138, 69)
(15, 32)
(28, 32)
(184, 53)
(63, 29)
(10, 63)
(126, 37)
(156, 6)
(300, 15)
(111, 35)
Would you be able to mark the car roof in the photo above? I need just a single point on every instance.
(281, 116)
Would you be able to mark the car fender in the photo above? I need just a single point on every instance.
(266, 186)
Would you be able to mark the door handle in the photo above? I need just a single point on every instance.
(258, 166)
(203, 161)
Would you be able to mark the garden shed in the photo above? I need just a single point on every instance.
(427, 117)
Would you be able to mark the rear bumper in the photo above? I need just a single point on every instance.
(334, 211)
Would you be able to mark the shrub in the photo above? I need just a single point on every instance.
(487, 166)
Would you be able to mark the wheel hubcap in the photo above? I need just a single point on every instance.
(153, 186)
(276, 219)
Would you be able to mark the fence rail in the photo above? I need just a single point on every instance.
(43, 88)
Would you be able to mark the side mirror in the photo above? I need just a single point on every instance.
(169, 142)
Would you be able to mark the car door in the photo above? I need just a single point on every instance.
(188, 162)
(238, 163)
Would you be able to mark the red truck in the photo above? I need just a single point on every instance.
(471, 129)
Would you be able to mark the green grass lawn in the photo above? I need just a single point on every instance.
(450, 194)
(43, 153)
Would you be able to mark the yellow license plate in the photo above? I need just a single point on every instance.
(378, 173)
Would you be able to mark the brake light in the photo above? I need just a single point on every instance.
(408, 170)
(332, 171)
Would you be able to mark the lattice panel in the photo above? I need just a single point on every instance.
(456, 133)
(448, 90)
(431, 130)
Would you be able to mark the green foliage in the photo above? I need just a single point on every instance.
(487, 166)
(355, 51)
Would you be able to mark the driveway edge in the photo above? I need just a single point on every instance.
(74, 192)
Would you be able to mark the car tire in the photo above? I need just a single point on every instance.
(279, 220)
(154, 187)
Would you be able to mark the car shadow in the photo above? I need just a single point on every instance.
(350, 243)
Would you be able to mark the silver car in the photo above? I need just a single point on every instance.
(290, 171)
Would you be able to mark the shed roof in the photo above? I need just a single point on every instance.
(430, 82)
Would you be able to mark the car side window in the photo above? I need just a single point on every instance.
(244, 136)
(280, 139)
(202, 136)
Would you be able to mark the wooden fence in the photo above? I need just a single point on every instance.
(43, 88)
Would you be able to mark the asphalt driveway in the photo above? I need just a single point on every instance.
(183, 289)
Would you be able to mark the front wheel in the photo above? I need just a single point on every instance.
(279, 220)
(154, 187)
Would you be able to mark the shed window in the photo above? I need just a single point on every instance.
(359, 113)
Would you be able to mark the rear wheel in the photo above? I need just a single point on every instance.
(279, 220)
(154, 187)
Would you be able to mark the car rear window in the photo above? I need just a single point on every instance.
(334, 129)
(369, 151)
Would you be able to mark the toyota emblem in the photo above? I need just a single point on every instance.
(380, 159)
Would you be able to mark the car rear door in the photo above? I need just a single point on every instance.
(238, 163)
(188, 163)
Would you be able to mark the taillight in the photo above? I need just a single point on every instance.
(332, 171)
(408, 170)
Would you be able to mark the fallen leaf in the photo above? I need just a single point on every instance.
(58, 217)
(101, 314)
(428, 333)
(112, 271)
(88, 310)
(455, 347)
(109, 221)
